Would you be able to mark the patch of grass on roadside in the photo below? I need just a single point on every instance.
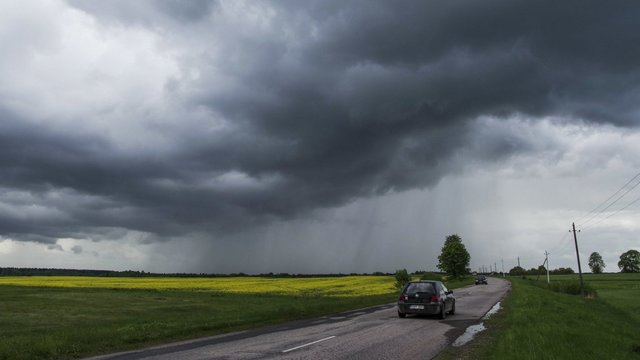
(620, 290)
(537, 323)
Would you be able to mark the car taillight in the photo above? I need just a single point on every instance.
(434, 298)
(403, 297)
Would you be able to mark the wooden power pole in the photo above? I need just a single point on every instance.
(575, 239)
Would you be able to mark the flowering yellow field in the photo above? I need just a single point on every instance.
(325, 286)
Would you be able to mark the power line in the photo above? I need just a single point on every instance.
(561, 245)
(592, 217)
(609, 198)
(610, 215)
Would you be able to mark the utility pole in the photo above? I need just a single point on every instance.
(546, 261)
(502, 260)
(518, 261)
(495, 267)
(575, 239)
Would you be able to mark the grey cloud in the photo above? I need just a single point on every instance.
(187, 11)
(326, 103)
(146, 12)
(56, 247)
(76, 249)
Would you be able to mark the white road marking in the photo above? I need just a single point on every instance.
(311, 343)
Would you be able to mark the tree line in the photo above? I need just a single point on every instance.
(629, 263)
(541, 270)
(14, 271)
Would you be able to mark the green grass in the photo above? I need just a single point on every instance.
(538, 323)
(75, 317)
(621, 291)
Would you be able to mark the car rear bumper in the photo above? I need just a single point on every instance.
(428, 309)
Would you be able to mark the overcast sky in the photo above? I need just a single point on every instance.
(316, 136)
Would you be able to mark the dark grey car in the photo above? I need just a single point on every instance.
(427, 297)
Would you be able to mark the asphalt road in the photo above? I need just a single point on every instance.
(373, 333)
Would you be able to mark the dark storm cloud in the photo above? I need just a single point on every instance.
(148, 12)
(328, 103)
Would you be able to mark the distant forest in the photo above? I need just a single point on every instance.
(11, 271)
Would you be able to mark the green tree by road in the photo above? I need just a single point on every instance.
(517, 270)
(596, 263)
(454, 258)
(629, 262)
(402, 278)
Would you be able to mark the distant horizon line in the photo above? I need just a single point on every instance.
(35, 271)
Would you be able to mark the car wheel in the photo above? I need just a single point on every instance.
(401, 315)
(453, 308)
(443, 313)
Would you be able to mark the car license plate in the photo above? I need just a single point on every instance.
(416, 307)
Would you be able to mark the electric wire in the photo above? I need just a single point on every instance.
(610, 215)
(609, 198)
(594, 216)
(561, 245)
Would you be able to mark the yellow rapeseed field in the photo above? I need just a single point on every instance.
(322, 286)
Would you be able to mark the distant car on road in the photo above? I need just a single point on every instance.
(481, 279)
(427, 297)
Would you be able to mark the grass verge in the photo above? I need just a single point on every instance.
(538, 323)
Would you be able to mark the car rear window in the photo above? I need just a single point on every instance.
(420, 288)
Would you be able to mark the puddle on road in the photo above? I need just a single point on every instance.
(469, 334)
(492, 311)
(472, 330)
